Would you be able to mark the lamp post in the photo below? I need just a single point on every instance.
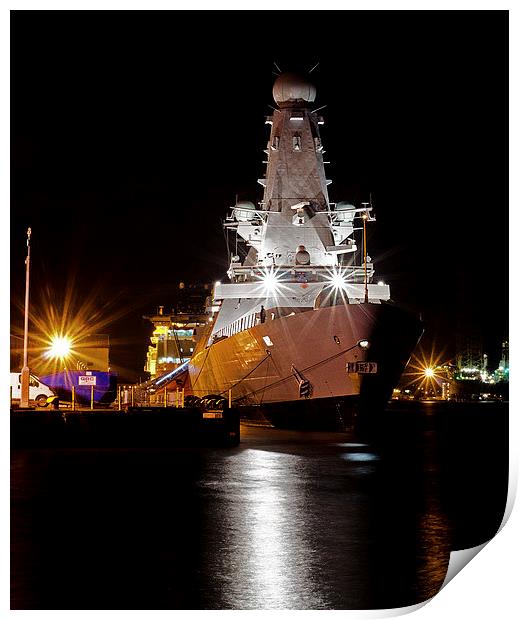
(24, 384)
(364, 218)
(367, 216)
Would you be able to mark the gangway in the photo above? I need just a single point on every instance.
(150, 390)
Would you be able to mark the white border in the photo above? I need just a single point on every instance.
(486, 587)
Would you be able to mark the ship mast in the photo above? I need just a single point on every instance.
(295, 169)
(295, 195)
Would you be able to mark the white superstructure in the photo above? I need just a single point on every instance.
(298, 250)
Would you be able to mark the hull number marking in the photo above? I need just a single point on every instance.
(362, 368)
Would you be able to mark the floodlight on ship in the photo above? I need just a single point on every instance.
(337, 279)
(270, 281)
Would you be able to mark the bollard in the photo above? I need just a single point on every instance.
(119, 397)
(73, 406)
(133, 395)
(165, 396)
(91, 397)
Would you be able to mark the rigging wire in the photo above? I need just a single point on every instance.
(268, 354)
(201, 367)
(303, 370)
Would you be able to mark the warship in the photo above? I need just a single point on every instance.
(299, 333)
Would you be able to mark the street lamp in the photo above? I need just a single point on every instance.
(24, 383)
(60, 347)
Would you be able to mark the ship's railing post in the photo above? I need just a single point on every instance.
(119, 398)
(230, 397)
(11, 397)
(182, 397)
(73, 406)
(133, 396)
(165, 396)
(91, 397)
(177, 400)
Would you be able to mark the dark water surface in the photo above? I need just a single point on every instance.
(286, 520)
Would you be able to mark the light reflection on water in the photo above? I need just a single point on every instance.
(286, 520)
(267, 544)
(280, 522)
(294, 531)
(299, 525)
(269, 562)
(359, 456)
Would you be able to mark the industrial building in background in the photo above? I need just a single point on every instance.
(469, 378)
(174, 333)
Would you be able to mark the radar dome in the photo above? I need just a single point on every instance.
(344, 206)
(293, 87)
(244, 211)
(345, 211)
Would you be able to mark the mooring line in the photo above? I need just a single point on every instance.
(279, 381)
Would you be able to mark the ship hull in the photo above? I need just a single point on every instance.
(292, 371)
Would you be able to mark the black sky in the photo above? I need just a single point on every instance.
(132, 132)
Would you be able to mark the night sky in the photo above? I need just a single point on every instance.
(133, 132)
